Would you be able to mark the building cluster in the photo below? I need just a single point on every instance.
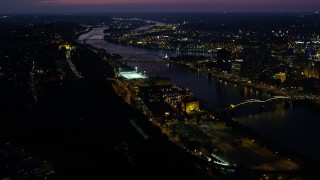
(164, 98)
(284, 56)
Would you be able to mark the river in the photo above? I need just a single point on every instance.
(295, 128)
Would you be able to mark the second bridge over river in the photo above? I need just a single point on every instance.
(260, 104)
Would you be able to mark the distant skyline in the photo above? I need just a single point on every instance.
(101, 6)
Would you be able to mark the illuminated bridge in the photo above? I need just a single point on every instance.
(136, 58)
(92, 37)
(257, 101)
(149, 54)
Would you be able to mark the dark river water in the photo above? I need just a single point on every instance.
(295, 127)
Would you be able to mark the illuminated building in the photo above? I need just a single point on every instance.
(132, 75)
(312, 50)
(278, 51)
(236, 66)
(157, 89)
(311, 71)
(314, 45)
(281, 76)
(190, 105)
(67, 46)
(278, 45)
(299, 48)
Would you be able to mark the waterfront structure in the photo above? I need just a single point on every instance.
(190, 105)
(129, 73)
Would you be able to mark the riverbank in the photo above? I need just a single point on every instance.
(78, 34)
(220, 93)
(262, 87)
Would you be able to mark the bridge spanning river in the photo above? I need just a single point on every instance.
(248, 104)
(91, 37)
(136, 58)
(260, 102)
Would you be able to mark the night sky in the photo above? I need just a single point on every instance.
(100, 6)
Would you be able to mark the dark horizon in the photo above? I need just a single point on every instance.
(160, 12)
(125, 6)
